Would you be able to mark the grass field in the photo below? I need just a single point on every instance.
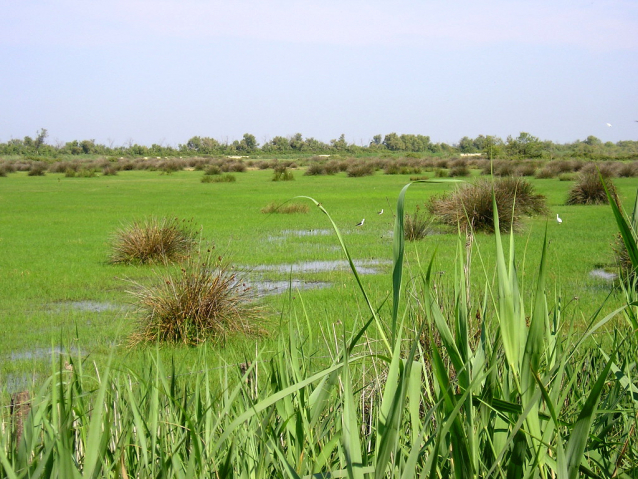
(56, 283)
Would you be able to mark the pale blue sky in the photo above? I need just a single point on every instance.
(162, 71)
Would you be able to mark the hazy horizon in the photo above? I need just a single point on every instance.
(164, 71)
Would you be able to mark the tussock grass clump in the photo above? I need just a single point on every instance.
(470, 205)
(285, 208)
(545, 173)
(626, 270)
(225, 178)
(153, 240)
(202, 300)
(566, 177)
(282, 173)
(589, 190)
(525, 169)
(627, 170)
(417, 225)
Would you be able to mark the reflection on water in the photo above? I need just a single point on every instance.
(363, 266)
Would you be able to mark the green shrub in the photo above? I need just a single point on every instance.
(566, 177)
(441, 173)
(152, 240)
(281, 173)
(213, 170)
(470, 205)
(203, 299)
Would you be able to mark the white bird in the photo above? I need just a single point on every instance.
(608, 124)
(361, 223)
(560, 221)
(381, 212)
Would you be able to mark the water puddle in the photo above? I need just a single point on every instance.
(41, 353)
(267, 288)
(13, 383)
(91, 306)
(300, 234)
(602, 274)
(363, 266)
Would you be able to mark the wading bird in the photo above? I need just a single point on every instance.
(361, 223)
(560, 221)
(381, 212)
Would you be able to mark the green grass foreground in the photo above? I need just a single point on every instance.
(422, 387)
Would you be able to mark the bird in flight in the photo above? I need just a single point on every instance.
(361, 222)
(608, 124)
(560, 221)
(380, 212)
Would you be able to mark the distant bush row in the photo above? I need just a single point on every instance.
(318, 165)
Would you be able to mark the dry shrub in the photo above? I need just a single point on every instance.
(460, 170)
(37, 168)
(315, 169)
(470, 205)
(152, 240)
(359, 169)
(110, 170)
(566, 177)
(285, 208)
(525, 169)
(627, 170)
(589, 190)
(225, 178)
(233, 166)
(545, 173)
(203, 300)
(6, 167)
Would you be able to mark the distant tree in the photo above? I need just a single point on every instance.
(40, 138)
(340, 144)
(524, 146)
(466, 145)
(592, 141)
(296, 142)
(393, 142)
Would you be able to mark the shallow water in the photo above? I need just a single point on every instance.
(602, 274)
(40, 353)
(91, 306)
(266, 288)
(13, 383)
(300, 234)
(363, 266)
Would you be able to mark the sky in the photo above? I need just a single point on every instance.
(162, 71)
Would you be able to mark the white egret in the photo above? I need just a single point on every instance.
(560, 221)
(381, 212)
(361, 223)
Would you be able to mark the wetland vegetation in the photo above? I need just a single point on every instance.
(449, 355)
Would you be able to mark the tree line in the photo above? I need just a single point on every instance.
(524, 145)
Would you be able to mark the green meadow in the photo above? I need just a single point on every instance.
(58, 288)
(496, 356)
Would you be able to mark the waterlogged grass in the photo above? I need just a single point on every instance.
(55, 235)
(525, 397)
